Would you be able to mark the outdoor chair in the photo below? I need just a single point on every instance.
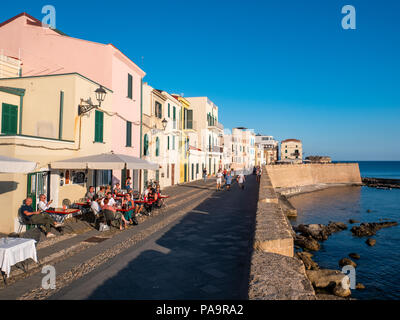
(23, 221)
(110, 218)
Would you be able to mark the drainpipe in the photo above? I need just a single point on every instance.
(141, 130)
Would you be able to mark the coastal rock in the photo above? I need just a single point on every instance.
(309, 264)
(354, 256)
(306, 243)
(342, 292)
(330, 280)
(320, 232)
(360, 286)
(347, 262)
(371, 242)
(352, 221)
(370, 229)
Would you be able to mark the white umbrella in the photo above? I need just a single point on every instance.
(105, 161)
(13, 165)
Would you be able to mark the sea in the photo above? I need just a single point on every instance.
(379, 266)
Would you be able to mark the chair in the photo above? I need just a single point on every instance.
(110, 217)
(23, 221)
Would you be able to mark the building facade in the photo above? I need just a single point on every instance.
(291, 151)
(269, 147)
(40, 123)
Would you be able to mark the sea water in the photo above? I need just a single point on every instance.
(379, 266)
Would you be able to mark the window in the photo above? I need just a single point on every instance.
(169, 111)
(168, 143)
(158, 110)
(98, 126)
(129, 134)
(174, 116)
(173, 142)
(130, 86)
(190, 119)
(146, 145)
(157, 147)
(9, 119)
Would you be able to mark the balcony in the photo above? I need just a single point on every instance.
(215, 149)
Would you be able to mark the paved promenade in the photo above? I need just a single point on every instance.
(197, 250)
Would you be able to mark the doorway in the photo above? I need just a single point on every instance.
(38, 183)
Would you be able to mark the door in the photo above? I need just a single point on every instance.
(38, 183)
(185, 174)
(172, 174)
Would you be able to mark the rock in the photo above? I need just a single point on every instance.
(370, 229)
(352, 221)
(354, 256)
(325, 278)
(347, 262)
(320, 232)
(342, 292)
(360, 286)
(306, 243)
(309, 264)
(371, 242)
(369, 210)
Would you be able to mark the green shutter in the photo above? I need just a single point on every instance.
(98, 126)
(168, 143)
(146, 145)
(190, 119)
(129, 134)
(174, 113)
(157, 147)
(169, 111)
(129, 86)
(9, 119)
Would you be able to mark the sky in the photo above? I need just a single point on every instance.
(285, 68)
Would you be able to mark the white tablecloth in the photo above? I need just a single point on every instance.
(14, 250)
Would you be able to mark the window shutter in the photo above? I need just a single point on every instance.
(130, 86)
(129, 134)
(190, 119)
(98, 126)
(9, 119)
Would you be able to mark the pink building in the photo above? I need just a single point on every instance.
(44, 51)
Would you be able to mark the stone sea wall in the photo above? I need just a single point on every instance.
(275, 273)
(300, 176)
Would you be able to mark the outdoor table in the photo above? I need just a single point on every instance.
(63, 211)
(13, 251)
(82, 204)
(164, 197)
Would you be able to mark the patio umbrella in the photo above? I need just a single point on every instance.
(13, 165)
(105, 161)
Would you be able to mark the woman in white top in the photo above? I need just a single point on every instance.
(219, 179)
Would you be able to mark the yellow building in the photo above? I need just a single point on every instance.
(39, 122)
(186, 125)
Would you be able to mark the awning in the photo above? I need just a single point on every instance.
(13, 165)
(105, 161)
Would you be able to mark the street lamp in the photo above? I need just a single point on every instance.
(100, 96)
(164, 123)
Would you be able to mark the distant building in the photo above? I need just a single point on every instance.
(318, 159)
(291, 150)
(267, 148)
(9, 67)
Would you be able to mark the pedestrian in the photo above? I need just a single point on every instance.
(205, 175)
(259, 172)
(241, 179)
(219, 179)
(228, 181)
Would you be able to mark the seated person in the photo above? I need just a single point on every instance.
(160, 201)
(89, 195)
(108, 189)
(43, 204)
(39, 218)
(128, 184)
(112, 215)
(117, 189)
(111, 201)
(102, 192)
(95, 206)
(128, 203)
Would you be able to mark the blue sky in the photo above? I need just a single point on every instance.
(285, 68)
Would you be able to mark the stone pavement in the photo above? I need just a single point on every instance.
(198, 248)
(203, 255)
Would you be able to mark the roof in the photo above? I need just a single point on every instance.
(291, 140)
(34, 22)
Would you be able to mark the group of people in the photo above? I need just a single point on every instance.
(40, 217)
(229, 176)
(105, 201)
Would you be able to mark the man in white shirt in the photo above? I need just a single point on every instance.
(95, 206)
(241, 179)
(111, 201)
(219, 179)
(43, 204)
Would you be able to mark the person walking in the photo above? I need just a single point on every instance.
(241, 179)
(219, 179)
(205, 175)
(259, 172)
(228, 181)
